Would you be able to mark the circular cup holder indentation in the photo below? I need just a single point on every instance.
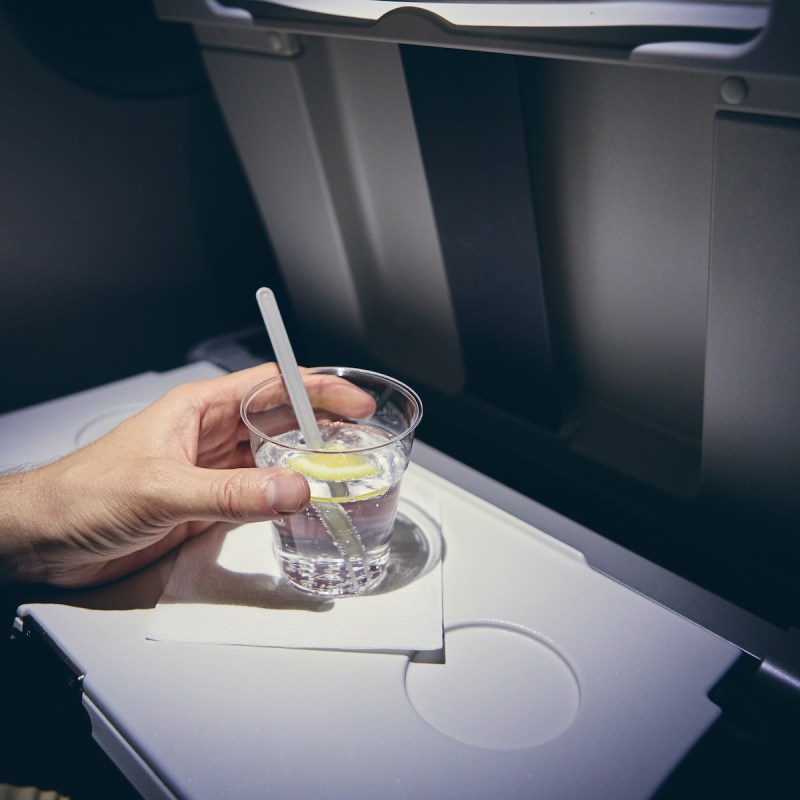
(500, 688)
(417, 547)
(99, 426)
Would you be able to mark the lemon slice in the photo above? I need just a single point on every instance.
(338, 467)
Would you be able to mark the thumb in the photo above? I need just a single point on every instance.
(240, 495)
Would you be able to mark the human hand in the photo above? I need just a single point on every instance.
(163, 475)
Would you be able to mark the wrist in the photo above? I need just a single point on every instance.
(21, 514)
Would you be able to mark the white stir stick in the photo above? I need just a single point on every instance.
(333, 516)
(289, 368)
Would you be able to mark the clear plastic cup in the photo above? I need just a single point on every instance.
(339, 544)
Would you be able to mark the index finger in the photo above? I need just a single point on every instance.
(325, 392)
(339, 396)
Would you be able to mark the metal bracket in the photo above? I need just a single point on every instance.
(30, 633)
(776, 683)
(249, 39)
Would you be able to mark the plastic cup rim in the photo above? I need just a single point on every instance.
(341, 372)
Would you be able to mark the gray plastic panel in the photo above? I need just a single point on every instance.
(751, 36)
(329, 147)
(734, 14)
(751, 439)
(122, 754)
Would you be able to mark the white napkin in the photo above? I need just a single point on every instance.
(226, 588)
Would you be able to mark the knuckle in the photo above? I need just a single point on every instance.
(148, 487)
(229, 494)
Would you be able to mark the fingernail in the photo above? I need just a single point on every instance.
(287, 492)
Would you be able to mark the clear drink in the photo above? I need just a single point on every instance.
(339, 544)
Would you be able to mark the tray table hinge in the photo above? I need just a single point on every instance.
(776, 683)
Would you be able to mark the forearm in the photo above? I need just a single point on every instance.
(20, 531)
